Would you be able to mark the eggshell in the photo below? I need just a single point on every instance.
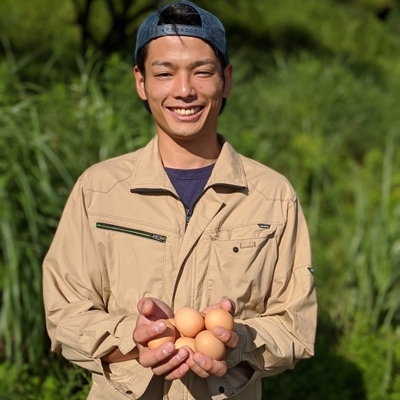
(167, 336)
(218, 317)
(206, 343)
(189, 321)
(185, 341)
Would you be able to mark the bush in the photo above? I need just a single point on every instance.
(52, 382)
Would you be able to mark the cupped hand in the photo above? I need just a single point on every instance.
(201, 364)
(165, 359)
(175, 363)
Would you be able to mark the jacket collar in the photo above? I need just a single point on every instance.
(149, 173)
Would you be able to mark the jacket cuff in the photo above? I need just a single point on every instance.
(124, 333)
(235, 356)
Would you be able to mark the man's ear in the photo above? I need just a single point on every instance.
(139, 78)
(227, 80)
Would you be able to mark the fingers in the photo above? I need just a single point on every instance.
(154, 308)
(163, 358)
(178, 373)
(173, 366)
(143, 333)
(229, 338)
(204, 366)
(166, 360)
(226, 304)
(175, 363)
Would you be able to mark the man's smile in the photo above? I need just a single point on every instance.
(185, 111)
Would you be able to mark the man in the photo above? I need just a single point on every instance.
(185, 221)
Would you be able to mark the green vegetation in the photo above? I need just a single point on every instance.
(315, 97)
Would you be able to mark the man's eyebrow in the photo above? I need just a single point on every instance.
(160, 63)
(200, 63)
(195, 64)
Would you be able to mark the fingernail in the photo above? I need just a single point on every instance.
(200, 362)
(218, 332)
(159, 327)
(183, 369)
(144, 306)
(167, 350)
(182, 355)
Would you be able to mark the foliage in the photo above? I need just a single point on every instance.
(329, 375)
(110, 25)
(40, 25)
(371, 283)
(315, 97)
(24, 383)
(378, 348)
(48, 145)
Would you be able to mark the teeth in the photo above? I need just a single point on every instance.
(186, 111)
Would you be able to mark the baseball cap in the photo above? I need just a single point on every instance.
(211, 30)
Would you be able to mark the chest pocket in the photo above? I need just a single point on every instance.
(135, 260)
(241, 266)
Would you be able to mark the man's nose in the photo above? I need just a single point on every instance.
(183, 86)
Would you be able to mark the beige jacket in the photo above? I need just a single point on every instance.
(123, 236)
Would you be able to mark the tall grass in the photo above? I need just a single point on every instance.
(372, 276)
(368, 302)
(45, 145)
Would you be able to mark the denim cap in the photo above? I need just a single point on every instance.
(211, 30)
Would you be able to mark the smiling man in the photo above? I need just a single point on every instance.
(184, 84)
(184, 221)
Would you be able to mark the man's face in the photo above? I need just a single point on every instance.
(183, 86)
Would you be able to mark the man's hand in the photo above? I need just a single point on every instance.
(165, 359)
(175, 363)
(226, 304)
(203, 365)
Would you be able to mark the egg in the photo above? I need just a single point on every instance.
(205, 342)
(167, 336)
(218, 317)
(189, 321)
(185, 341)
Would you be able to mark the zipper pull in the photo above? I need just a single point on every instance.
(189, 213)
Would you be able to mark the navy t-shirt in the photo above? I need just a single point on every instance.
(189, 183)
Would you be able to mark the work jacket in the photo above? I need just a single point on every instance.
(125, 234)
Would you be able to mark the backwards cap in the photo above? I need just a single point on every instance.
(211, 30)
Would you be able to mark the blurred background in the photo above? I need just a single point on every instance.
(315, 96)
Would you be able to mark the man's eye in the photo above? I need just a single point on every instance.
(163, 75)
(205, 73)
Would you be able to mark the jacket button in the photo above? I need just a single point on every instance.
(236, 249)
(221, 389)
(129, 392)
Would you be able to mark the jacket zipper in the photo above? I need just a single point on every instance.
(136, 232)
(189, 213)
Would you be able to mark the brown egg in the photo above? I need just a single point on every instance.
(167, 336)
(218, 317)
(189, 321)
(185, 341)
(206, 343)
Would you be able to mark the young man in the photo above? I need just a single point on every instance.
(185, 221)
